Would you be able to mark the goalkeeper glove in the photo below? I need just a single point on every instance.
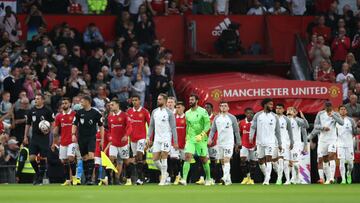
(200, 136)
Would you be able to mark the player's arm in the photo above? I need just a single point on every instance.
(313, 134)
(253, 127)
(75, 125)
(100, 123)
(172, 122)
(212, 130)
(290, 132)
(147, 118)
(317, 122)
(207, 123)
(129, 128)
(354, 127)
(304, 138)
(277, 131)
(151, 127)
(338, 118)
(236, 130)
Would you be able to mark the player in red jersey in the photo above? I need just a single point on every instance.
(247, 153)
(120, 129)
(140, 117)
(63, 121)
(179, 155)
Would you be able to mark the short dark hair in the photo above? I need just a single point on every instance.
(223, 102)
(181, 103)
(66, 99)
(116, 100)
(342, 106)
(41, 95)
(195, 96)
(163, 95)
(248, 109)
(135, 96)
(280, 104)
(87, 98)
(265, 101)
(209, 104)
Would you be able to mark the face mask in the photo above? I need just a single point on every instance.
(76, 107)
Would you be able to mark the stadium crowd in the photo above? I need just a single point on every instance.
(88, 71)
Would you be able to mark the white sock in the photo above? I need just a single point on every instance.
(350, 168)
(326, 170)
(296, 170)
(157, 163)
(280, 169)
(275, 166)
(321, 173)
(287, 170)
(268, 171)
(263, 168)
(164, 167)
(342, 169)
(332, 169)
(227, 171)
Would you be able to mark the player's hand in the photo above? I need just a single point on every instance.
(237, 148)
(25, 141)
(124, 139)
(326, 128)
(53, 146)
(291, 146)
(209, 142)
(149, 143)
(198, 138)
(73, 139)
(305, 150)
(301, 114)
(176, 146)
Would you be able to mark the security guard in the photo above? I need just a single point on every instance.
(24, 170)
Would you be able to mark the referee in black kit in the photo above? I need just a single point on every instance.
(85, 122)
(39, 143)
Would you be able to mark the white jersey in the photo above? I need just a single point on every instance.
(296, 128)
(227, 127)
(266, 126)
(285, 131)
(346, 133)
(163, 123)
(324, 120)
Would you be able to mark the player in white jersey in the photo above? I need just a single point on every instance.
(267, 128)
(299, 126)
(345, 145)
(325, 122)
(281, 158)
(225, 124)
(163, 125)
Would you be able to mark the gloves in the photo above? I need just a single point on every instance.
(200, 136)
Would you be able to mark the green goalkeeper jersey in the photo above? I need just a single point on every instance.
(197, 121)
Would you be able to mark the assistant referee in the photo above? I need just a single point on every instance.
(87, 122)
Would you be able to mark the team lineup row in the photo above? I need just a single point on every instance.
(273, 140)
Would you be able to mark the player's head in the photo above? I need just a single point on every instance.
(224, 107)
(161, 100)
(193, 100)
(342, 110)
(249, 113)
(39, 100)
(280, 108)
(114, 105)
(135, 99)
(85, 102)
(290, 111)
(209, 108)
(267, 104)
(180, 108)
(328, 106)
(65, 103)
(170, 104)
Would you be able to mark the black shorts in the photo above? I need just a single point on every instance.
(38, 146)
(87, 145)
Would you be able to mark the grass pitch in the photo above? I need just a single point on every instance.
(184, 194)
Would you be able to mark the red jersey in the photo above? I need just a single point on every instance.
(181, 130)
(322, 31)
(98, 142)
(357, 149)
(2, 128)
(244, 127)
(119, 126)
(158, 6)
(214, 141)
(64, 122)
(139, 118)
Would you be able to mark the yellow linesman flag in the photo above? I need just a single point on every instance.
(105, 161)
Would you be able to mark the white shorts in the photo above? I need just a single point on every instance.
(177, 153)
(285, 153)
(250, 154)
(325, 148)
(296, 153)
(138, 146)
(97, 160)
(119, 152)
(161, 147)
(346, 153)
(77, 151)
(263, 151)
(213, 151)
(66, 151)
(224, 152)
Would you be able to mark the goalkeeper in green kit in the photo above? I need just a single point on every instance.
(197, 126)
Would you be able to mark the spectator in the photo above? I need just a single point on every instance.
(120, 86)
(10, 24)
(332, 16)
(355, 44)
(139, 88)
(95, 63)
(158, 84)
(340, 24)
(122, 24)
(11, 156)
(101, 98)
(277, 9)
(173, 9)
(354, 66)
(129, 71)
(4, 70)
(346, 5)
(12, 84)
(297, 7)
(32, 86)
(42, 70)
(188, 7)
(340, 48)
(76, 59)
(84, 6)
(257, 9)
(50, 83)
(34, 21)
(221, 7)
(97, 6)
(92, 37)
(326, 73)
(74, 83)
(5, 105)
(344, 78)
(109, 57)
(158, 7)
(353, 107)
(117, 7)
(322, 30)
(19, 118)
(24, 170)
(134, 8)
(46, 49)
(106, 74)
(318, 52)
(141, 68)
(145, 33)
(74, 7)
(60, 61)
(99, 82)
